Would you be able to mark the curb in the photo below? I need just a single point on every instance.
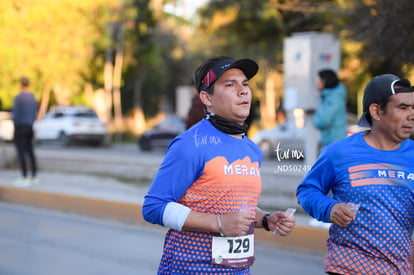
(127, 212)
(304, 238)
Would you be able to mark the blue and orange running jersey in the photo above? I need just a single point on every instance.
(209, 172)
(378, 241)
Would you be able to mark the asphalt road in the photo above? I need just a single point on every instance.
(36, 241)
(43, 242)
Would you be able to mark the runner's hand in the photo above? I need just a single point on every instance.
(235, 223)
(341, 215)
(281, 223)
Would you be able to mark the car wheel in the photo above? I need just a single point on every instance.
(266, 148)
(63, 139)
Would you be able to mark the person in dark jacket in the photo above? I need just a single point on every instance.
(24, 115)
(330, 115)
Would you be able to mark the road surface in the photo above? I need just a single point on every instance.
(37, 241)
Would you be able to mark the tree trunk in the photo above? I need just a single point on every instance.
(271, 98)
(108, 77)
(138, 113)
(45, 101)
(117, 80)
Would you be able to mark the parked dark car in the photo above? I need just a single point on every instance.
(161, 134)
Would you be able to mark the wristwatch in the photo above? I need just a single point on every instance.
(265, 222)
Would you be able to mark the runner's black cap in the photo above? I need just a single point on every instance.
(204, 81)
(378, 89)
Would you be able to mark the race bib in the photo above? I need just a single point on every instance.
(234, 251)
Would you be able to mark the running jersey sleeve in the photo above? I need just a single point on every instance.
(312, 191)
(179, 169)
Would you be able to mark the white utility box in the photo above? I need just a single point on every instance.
(183, 98)
(305, 54)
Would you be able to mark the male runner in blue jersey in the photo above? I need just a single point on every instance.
(375, 170)
(208, 185)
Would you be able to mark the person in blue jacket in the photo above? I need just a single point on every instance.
(371, 178)
(330, 115)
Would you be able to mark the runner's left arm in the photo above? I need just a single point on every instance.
(179, 169)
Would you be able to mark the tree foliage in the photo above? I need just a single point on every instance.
(52, 42)
(375, 35)
(158, 58)
(384, 27)
(61, 44)
(242, 28)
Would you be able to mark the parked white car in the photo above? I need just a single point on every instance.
(69, 124)
(6, 126)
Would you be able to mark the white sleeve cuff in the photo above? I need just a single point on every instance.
(175, 215)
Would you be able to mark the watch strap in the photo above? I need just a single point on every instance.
(265, 222)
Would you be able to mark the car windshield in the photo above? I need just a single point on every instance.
(171, 123)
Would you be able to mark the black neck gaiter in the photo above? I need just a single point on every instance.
(226, 126)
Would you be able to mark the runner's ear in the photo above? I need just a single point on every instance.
(205, 98)
(375, 111)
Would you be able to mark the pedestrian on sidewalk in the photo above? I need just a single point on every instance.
(24, 114)
(330, 115)
(371, 177)
(207, 188)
